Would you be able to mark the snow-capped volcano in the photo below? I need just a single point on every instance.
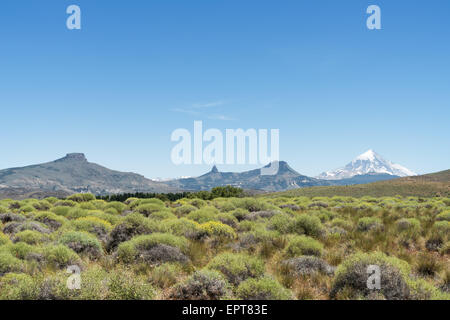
(367, 163)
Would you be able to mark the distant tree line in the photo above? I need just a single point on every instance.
(217, 192)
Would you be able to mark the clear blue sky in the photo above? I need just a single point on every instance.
(137, 70)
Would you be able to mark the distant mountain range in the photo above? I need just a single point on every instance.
(286, 179)
(73, 173)
(428, 185)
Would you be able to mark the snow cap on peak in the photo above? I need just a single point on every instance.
(368, 155)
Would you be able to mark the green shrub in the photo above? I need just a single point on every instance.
(133, 224)
(20, 250)
(60, 256)
(308, 225)
(111, 218)
(118, 207)
(30, 237)
(163, 214)
(203, 285)
(166, 275)
(341, 223)
(218, 230)
(14, 286)
(228, 219)
(369, 223)
(61, 211)
(65, 203)
(441, 230)
(443, 216)
(129, 251)
(184, 210)
(81, 197)
(239, 213)
(4, 239)
(125, 286)
(75, 213)
(250, 204)
(27, 209)
(203, 215)
(82, 243)
(182, 227)
(50, 219)
(198, 203)
(9, 263)
(93, 225)
(281, 223)
(265, 288)
(303, 245)
(352, 275)
(237, 267)
(409, 228)
(148, 209)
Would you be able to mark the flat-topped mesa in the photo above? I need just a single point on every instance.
(74, 157)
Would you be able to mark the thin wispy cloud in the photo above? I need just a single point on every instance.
(195, 110)
(208, 105)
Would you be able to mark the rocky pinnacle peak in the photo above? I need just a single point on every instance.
(214, 169)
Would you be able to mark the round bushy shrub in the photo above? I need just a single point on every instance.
(443, 216)
(30, 237)
(204, 214)
(198, 203)
(154, 248)
(93, 225)
(50, 219)
(440, 233)
(82, 243)
(239, 213)
(166, 275)
(60, 256)
(250, 204)
(202, 285)
(265, 288)
(341, 223)
(76, 212)
(308, 225)
(352, 276)
(41, 205)
(148, 209)
(184, 210)
(182, 227)
(81, 197)
(64, 203)
(20, 250)
(369, 223)
(307, 265)
(118, 207)
(237, 267)
(11, 217)
(134, 224)
(218, 230)
(16, 227)
(228, 219)
(303, 246)
(409, 228)
(9, 263)
(281, 223)
(266, 214)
